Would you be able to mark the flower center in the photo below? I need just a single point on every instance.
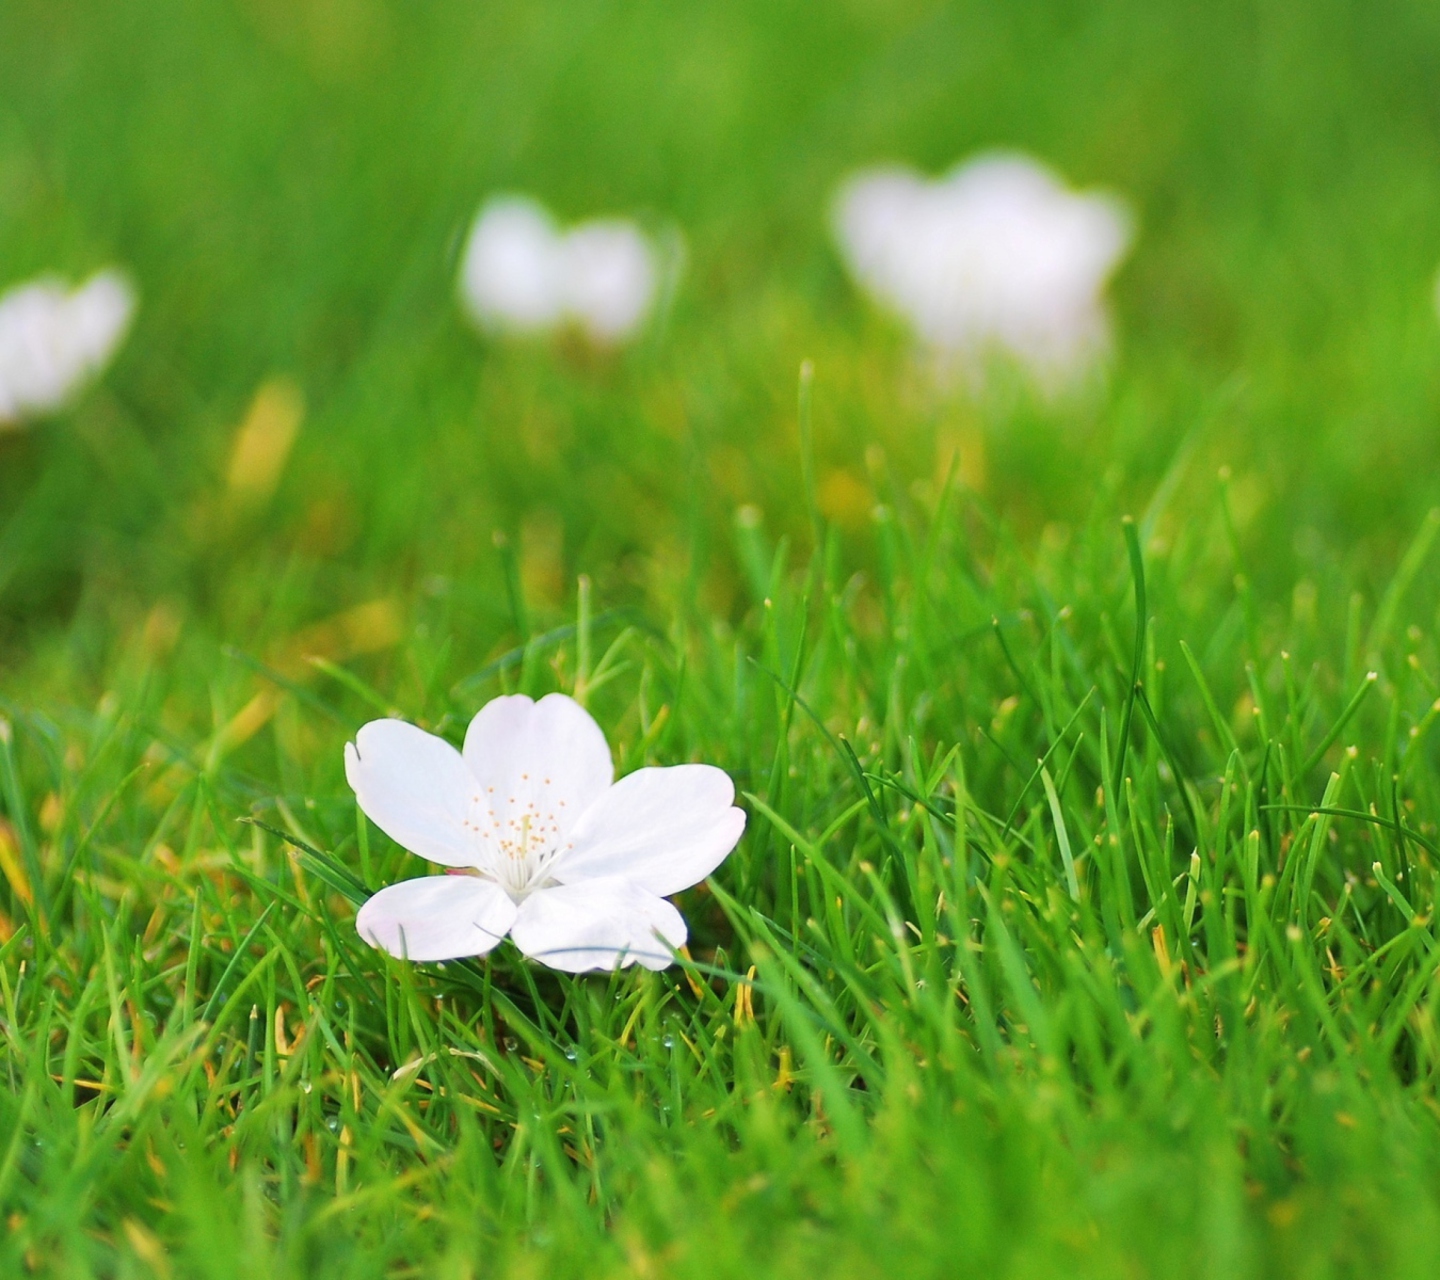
(519, 831)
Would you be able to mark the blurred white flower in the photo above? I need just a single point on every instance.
(996, 256)
(521, 272)
(546, 847)
(53, 339)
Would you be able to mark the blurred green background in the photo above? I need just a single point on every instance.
(289, 184)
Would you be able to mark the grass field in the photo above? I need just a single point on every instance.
(1084, 924)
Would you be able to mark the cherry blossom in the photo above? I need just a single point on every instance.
(996, 256)
(54, 338)
(522, 273)
(542, 844)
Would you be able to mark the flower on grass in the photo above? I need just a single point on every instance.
(996, 256)
(53, 339)
(522, 273)
(543, 844)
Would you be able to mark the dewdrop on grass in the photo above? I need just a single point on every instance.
(522, 273)
(995, 257)
(54, 339)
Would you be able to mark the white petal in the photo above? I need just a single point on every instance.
(545, 759)
(53, 338)
(437, 917)
(598, 924)
(608, 276)
(101, 311)
(416, 789)
(510, 277)
(665, 829)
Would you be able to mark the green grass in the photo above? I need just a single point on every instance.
(1166, 1005)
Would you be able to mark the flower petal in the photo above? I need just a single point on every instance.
(609, 276)
(416, 789)
(543, 762)
(664, 829)
(437, 917)
(510, 275)
(599, 924)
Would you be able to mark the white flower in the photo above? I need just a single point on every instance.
(520, 272)
(573, 866)
(52, 339)
(997, 255)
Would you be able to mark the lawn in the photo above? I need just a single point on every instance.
(1084, 921)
